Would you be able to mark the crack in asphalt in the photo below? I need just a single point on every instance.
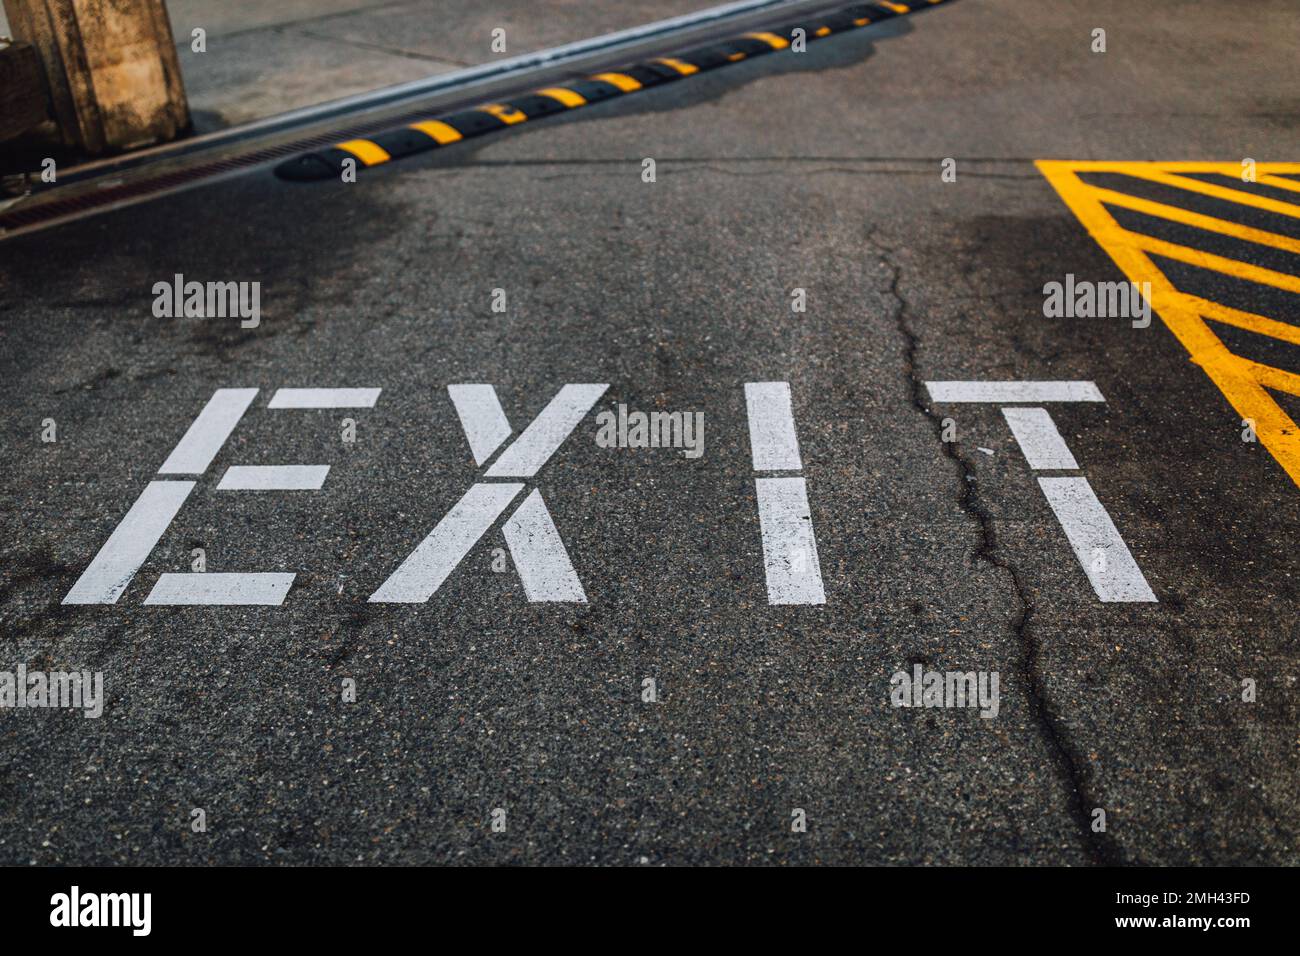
(1099, 847)
(379, 48)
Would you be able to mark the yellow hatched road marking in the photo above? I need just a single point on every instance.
(1157, 175)
(1243, 382)
(1275, 378)
(369, 153)
(1188, 218)
(1178, 166)
(1246, 320)
(1280, 182)
(1208, 260)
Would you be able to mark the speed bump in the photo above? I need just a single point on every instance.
(433, 133)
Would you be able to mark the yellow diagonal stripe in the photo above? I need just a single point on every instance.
(1181, 166)
(372, 154)
(1275, 378)
(1259, 324)
(567, 97)
(1198, 220)
(1156, 175)
(440, 132)
(1280, 182)
(1208, 260)
(681, 66)
(621, 80)
(771, 39)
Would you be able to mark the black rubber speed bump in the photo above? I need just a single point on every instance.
(444, 130)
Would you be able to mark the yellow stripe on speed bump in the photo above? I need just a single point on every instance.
(369, 153)
(771, 39)
(567, 97)
(506, 114)
(326, 163)
(438, 131)
(681, 66)
(621, 80)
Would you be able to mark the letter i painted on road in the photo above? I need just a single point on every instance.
(789, 546)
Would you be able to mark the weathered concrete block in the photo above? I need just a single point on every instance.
(113, 75)
(23, 101)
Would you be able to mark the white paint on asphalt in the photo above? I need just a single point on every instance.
(534, 542)
(789, 547)
(433, 560)
(1042, 444)
(539, 555)
(548, 431)
(130, 543)
(324, 398)
(772, 438)
(210, 587)
(482, 418)
(273, 478)
(1096, 542)
(200, 444)
(1000, 392)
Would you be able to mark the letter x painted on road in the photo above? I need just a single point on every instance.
(539, 554)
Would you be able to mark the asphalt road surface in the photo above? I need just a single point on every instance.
(823, 172)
